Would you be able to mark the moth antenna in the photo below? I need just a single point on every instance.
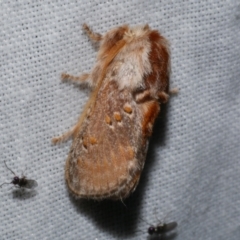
(10, 169)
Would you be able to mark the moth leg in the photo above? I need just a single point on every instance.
(92, 35)
(77, 79)
(143, 96)
(174, 91)
(65, 136)
(163, 97)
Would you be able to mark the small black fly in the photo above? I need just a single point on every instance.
(21, 182)
(162, 228)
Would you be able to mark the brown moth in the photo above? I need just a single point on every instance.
(129, 82)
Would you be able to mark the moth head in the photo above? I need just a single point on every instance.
(124, 32)
(137, 32)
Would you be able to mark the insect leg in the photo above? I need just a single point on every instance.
(92, 35)
(65, 136)
(77, 79)
(174, 91)
(3, 184)
(163, 97)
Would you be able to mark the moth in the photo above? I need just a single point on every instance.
(129, 82)
(22, 182)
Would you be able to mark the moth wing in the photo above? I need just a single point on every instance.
(30, 183)
(108, 154)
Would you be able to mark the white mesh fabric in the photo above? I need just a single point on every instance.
(192, 170)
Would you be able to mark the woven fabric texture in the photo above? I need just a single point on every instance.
(192, 171)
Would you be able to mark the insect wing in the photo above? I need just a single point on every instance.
(170, 226)
(104, 161)
(30, 183)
